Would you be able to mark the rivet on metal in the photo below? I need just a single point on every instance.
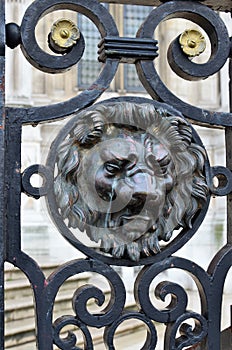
(13, 36)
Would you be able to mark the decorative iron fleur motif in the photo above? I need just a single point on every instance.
(192, 42)
(64, 34)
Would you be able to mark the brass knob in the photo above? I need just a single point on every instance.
(63, 36)
(192, 42)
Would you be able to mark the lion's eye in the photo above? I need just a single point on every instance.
(164, 163)
(112, 168)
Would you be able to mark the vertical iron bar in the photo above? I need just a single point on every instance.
(13, 190)
(2, 161)
(228, 136)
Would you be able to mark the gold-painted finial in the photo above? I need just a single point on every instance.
(64, 34)
(192, 42)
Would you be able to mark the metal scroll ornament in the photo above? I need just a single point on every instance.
(129, 175)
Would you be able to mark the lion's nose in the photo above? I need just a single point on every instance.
(144, 188)
(139, 197)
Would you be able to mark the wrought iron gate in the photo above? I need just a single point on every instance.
(130, 172)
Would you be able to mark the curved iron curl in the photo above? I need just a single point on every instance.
(80, 299)
(204, 17)
(112, 310)
(220, 48)
(46, 175)
(217, 32)
(69, 342)
(179, 299)
(99, 15)
(224, 177)
(53, 63)
(188, 335)
(151, 340)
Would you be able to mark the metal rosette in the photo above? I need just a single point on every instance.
(179, 61)
(60, 213)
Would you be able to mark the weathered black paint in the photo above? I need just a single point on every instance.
(2, 168)
(209, 283)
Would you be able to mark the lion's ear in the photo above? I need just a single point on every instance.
(90, 129)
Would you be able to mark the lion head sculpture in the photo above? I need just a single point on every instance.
(129, 175)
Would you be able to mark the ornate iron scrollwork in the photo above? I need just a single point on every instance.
(131, 172)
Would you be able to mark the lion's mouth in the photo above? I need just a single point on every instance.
(132, 227)
(122, 220)
(129, 218)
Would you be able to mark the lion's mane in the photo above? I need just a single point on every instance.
(182, 202)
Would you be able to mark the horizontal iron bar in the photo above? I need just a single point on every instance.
(128, 50)
(223, 5)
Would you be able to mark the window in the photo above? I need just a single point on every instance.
(128, 22)
(88, 67)
(133, 17)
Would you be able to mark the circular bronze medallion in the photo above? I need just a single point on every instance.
(130, 175)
